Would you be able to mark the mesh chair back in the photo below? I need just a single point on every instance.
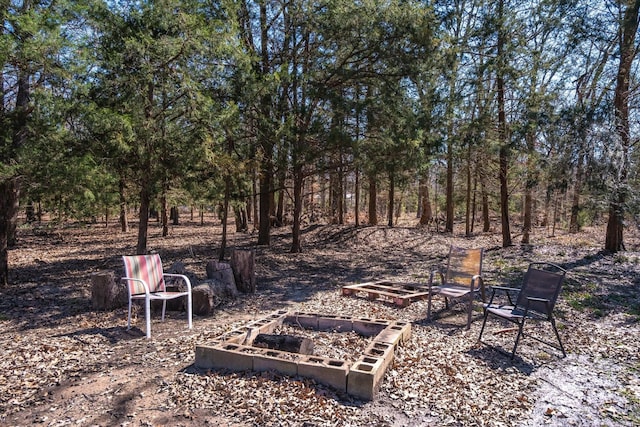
(542, 280)
(463, 265)
(144, 267)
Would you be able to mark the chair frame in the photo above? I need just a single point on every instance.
(527, 307)
(154, 291)
(455, 290)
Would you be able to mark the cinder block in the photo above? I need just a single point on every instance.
(335, 323)
(226, 356)
(382, 350)
(392, 334)
(368, 327)
(236, 336)
(304, 320)
(266, 325)
(365, 377)
(273, 360)
(405, 327)
(326, 371)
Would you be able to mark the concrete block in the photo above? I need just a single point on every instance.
(273, 360)
(326, 371)
(303, 320)
(368, 327)
(226, 356)
(392, 334)
(335, 323)
(405, 327)
(380, 350)
(236, 336)
(365, 376)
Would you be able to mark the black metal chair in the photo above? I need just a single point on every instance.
(535, 301)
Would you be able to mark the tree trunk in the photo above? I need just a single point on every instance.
(373, 200)
(502, 135)
(298, 182)
(141, 247)
(243, 266)
(164, 217)
(425, 210)
(357, 197)
(574, 225)
(124, 221)
(448, 228)
(392, 196)
(615, 225)
(9, 198)
(225, 216)
(486, 221)
(467, 216)
(264, 237)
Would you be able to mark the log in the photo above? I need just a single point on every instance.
(209, 294)
(243, 266)
(106, 294)
(203, 300)
(288, 343)
(222, 272)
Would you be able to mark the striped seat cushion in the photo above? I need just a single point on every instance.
(144, 267)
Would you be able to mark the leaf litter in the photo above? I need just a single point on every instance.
(65, 364)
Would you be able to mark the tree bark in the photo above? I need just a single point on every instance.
(425, 211)
(124, 221)
(502, 135)
(9, 198)
(141, 247)
(629, 28)
(243, 266)
(392, 196)
(373, 200)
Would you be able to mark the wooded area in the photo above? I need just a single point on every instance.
(289, 112)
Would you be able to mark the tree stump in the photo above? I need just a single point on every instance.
(210, 294)
(243, 266)
(288, 343)
(106, 294)
(221, 271)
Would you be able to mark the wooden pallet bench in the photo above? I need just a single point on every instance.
(402, 294)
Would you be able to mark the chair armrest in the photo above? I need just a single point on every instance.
(181, 276)
(133, 279)
(507, 290)
(544, 300)
(478, 279)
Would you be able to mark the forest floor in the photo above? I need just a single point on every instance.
(64, 363)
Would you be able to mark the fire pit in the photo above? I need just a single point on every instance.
(235, 351)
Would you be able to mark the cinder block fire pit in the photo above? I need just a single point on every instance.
(234, 350)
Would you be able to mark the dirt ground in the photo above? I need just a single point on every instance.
(64, 363)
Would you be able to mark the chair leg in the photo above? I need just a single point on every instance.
(164, 308)
(129, 317)
(553, 324)
(520, 328)
(429, 308)
(147, 312)
(484, 322)
(190, 310)
(470, 311)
